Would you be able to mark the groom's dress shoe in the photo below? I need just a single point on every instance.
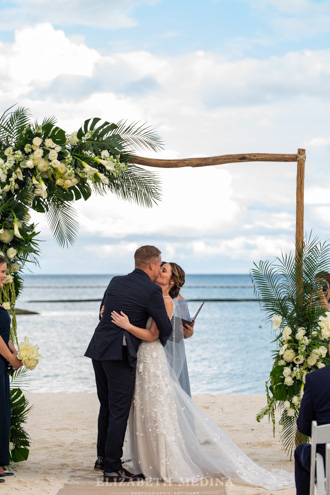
(6, 473)
(99, 464)
(122, 476)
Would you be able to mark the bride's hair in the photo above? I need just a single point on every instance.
(2, 260)
(178, 277)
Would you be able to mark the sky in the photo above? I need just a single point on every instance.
(212, 77)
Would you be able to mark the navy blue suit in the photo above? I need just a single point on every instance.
(114, 363)
(315, 406)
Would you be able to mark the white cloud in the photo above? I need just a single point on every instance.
(201, 104)
(109, 14)
(251, 248)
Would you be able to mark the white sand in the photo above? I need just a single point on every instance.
(63, 437)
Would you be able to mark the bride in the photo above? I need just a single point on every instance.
(170, 438)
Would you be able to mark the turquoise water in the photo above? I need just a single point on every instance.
(229, 353)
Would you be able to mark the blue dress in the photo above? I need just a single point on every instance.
(175, 348)
(4, 392)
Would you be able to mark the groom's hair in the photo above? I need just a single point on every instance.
(145, 255)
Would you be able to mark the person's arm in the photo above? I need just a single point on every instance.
(12, 348)
(157, 311)
(149, 335)
(9, 356)
(306, 411)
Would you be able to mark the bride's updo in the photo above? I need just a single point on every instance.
(178, 277)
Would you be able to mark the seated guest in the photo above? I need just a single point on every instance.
(315, 406)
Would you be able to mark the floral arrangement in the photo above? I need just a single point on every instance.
(290, 292)
(28, 354)
(45, 169)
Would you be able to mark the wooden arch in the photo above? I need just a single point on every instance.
(299, 157)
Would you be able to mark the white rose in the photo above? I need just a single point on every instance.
(105, 153)
(286, 333)
(11, 253)
(283, 348)
(301, 332)
(43, 165)
(281, 362)
(277, 320)
(295, 400)
(320, 365)
(287, 404)
(290, 412)
(73, 138)
(58, 149)
(49, 143)
(60, 182)
(62, 168)
(52, 155)
(288, 381)
(38, 153)
(311, 360)
(55, 163)
(287, 372)
(8, 279)
(14, 268)
(323, 351)
(6, 236)
(29, 164)
(6, 305)
(37, 141)
(289, 355)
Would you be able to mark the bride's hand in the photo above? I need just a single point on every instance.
(121, 320)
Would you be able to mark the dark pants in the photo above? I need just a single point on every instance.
(302, 465)
(115, 381)
(4, 414)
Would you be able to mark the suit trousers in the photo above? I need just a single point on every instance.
(302, 466)
(115, 381)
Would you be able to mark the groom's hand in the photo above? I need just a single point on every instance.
(188, 330)
(102, 311)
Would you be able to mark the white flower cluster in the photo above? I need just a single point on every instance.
(28, 354)
(50, 161)
(299, 354)
(324, 324)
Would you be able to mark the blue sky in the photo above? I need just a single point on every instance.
(212, 77)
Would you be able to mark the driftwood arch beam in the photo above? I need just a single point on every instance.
(299, 157)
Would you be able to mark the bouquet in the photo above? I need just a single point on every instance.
(28, 354)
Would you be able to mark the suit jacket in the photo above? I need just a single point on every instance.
(315, 404)
(138, 297)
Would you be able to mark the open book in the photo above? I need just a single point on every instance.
(195, 315)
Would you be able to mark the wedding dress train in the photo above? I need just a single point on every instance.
(172, 439)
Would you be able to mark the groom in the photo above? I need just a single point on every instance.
(114, 352)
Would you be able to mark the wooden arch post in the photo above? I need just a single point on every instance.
(299, 157)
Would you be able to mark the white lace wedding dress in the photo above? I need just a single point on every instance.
(172, 439)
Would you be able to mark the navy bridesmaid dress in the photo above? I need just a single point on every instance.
(4, 392)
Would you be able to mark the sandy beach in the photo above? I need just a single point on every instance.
(63, 436)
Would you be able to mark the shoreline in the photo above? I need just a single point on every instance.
(62, 427)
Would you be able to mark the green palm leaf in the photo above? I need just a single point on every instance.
(12, 124)
(62, 219)
(137, 136)
(138, 185)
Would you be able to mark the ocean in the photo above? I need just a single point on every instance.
(229, 353)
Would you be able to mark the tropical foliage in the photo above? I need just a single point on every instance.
(19, 441)
(45, 169)
(290, 291)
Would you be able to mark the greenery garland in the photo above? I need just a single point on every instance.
(290, 291)
(46, 169)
